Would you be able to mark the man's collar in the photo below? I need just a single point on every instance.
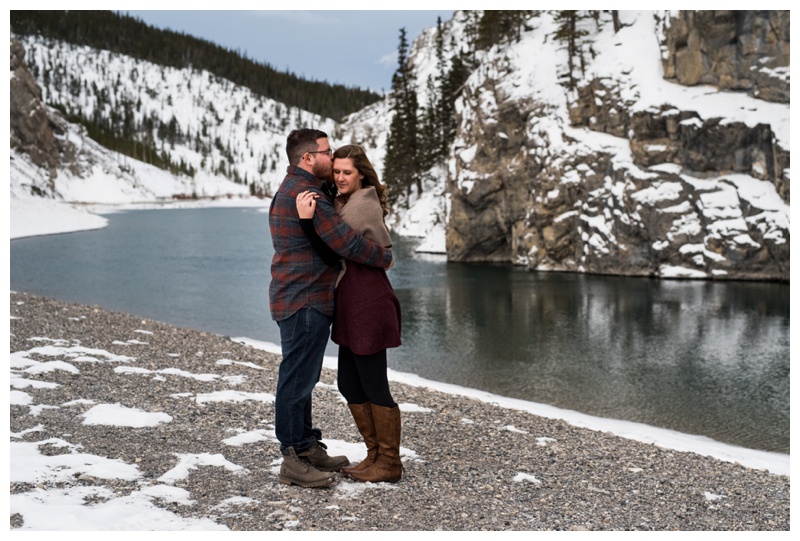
(294, 170)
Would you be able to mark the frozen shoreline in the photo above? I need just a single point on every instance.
(119, 422)
(776, 463)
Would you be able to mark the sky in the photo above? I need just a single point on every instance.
(351, 47)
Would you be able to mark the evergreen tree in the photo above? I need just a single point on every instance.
(451, 88)
(568, 32)
(444, 104)
(430, 128)
(498, 26)
(419, 141)
(615, 18)
(472, 22)
(401, 168)
(437, 118)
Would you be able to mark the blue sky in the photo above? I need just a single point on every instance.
(351, 47)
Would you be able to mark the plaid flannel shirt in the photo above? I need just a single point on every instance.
(300, 277)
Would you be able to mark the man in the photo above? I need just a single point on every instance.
(301, 301)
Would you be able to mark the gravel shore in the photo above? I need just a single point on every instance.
(469, 465)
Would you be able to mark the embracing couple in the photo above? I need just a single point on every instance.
(332, 249)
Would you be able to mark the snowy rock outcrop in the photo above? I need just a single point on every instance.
(626, 173)
(36, 131)
(733, 50)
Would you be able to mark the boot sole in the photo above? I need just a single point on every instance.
(392, 480)
(306, 484)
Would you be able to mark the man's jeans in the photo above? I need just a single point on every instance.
(304, 336)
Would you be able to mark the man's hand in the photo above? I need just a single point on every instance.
(306, 204)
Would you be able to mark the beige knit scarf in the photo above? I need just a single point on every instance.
(363, 212)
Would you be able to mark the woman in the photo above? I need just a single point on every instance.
(366, 315)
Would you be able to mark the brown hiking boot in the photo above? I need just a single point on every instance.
(319, 458)
(297, 470)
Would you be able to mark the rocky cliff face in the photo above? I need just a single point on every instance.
(733, 50)
(35, 130)
(609, 182)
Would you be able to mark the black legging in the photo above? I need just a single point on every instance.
(362, 378)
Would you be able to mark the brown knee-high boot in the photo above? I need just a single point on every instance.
(362, 415)
(387, 466)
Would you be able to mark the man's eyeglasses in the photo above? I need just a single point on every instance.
(329, 152)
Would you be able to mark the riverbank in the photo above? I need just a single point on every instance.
(109, 409)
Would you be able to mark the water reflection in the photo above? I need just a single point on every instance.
(698, 357)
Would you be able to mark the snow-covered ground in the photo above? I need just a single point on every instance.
(65, 509)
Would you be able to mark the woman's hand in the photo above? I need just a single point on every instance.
(306, 204)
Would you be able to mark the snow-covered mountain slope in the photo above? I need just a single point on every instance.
(58, 173)
(624, 171)
(223, 131)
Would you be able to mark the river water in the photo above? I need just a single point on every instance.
(699, 357)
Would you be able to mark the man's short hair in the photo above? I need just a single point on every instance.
(298, 142)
